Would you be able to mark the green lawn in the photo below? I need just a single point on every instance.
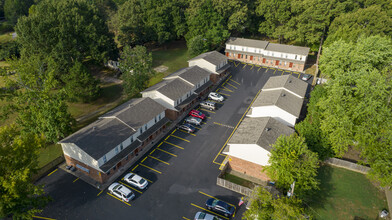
(238, 180)
(346, 194)
(48, 154)
(173, 55)
(6, 37)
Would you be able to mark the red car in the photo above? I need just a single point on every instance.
(197, 114)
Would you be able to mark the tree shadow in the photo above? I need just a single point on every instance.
(317, 199)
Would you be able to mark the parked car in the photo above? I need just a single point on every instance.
(121, 192)
(193, 120)
(220, 207)
(205, 216)
(208, 105)
(136, 180)
(306, 77)
(197, 114)
(216, 97)
(187, 127)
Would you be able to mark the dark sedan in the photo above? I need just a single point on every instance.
(220, 207)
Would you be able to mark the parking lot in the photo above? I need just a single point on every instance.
(181, 168)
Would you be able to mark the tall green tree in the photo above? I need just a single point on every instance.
(290, 161)
(14, 9)
(65, 31)
(202, 19)
(234, 12)
(136, 68)
(357, 106)
(40, 110)
(197, 45)
(19, 197)
(265, 206)
(80, 85)
(315, 138)
(363, 22)
(276, 15)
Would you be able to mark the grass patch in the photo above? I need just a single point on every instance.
(4, 64)
(109, 93)
(174, 55)
(48, 154)
(238, 180)
(346, 194)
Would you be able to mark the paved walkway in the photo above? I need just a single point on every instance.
(388, 194)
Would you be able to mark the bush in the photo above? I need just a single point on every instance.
(6, 27)
(8, 50)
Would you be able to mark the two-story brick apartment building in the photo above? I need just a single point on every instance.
(180, 90)
(100, 149)
(264, 53)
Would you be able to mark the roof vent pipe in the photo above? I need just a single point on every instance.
(267, 129)
(283, 95)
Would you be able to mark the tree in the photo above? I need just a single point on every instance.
(315, 138)
(197, 45)
(65, 31)
(203, 20)
(265, 206)
(235, 14)
(14, 9)
(135, 65)
(80, 85)
(31, 95)
(290, 161)
(8, 50)
(363, 22)
(276, 14)
(19, 197)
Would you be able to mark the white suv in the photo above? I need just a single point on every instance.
(216, 97)
(121, 192)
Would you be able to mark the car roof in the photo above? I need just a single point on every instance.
(136, 177)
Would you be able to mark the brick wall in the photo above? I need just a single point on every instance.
(247, 168)
(171, 114)
(268, 62)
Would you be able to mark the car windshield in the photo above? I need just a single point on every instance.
(142, 181)
(117, 187)
(215, 202)
(202, 215)
(199, 113)
(131, 176)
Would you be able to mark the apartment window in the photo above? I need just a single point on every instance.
(281, 55)
(121, 147)
(131, 139)
(155, 120)
(104, 159)
(159, 117)
(272, 54)
(286, 55)
(246, 56)
(141, 130)
(242, 55)
(300, 57)
(116, 150)
(145, 127)
(295, 56)
(242, 49)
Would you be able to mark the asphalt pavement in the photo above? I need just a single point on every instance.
(181, 168)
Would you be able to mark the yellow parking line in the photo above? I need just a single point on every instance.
(208, 211)
(244, 66)
(252, 66)
(52, 172)
(298, 75)
(180, 138)
(174, 145)
(160, 144)
(34, 216)
(274, 71)
(217, 90)
(197, 128)
(100, 193)
(185, 218)
(144, 159)
(167, 137)
(232, 85)
(159, 160)
(223, 84)
(151, 168)
(235, 81)
(215, 198)
(216, 163)
(76, 180)
(223, 93)
(174, 131)
(130, 187)
(186, 132)
(135, 167)
(118, 199)
(152, 151)
(167, 152)
(203, 123)
(235, 128)
(282, 73)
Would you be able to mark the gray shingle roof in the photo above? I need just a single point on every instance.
(100, 137)
(193, 74)
(288, 82)
(261, 131)
(247, 42)
(288, 49)
(213, 57)
(175, 89)
(280, 98)
(136, 112)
